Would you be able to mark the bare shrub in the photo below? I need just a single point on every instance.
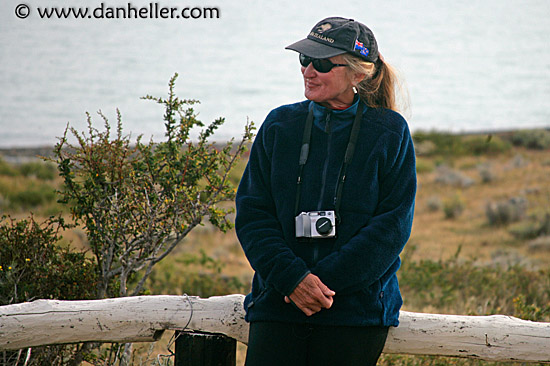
(486, 172)
(451, 177)
(434, 203)
(506, 212)
(540, 244)
(453, 207)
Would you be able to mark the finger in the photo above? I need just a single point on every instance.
(308, 308)
(316, 300)
(328, 292)
(326, 302)
(287, 300)
(309, 311)
(325, 290)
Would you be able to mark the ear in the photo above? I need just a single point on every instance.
(357, 78)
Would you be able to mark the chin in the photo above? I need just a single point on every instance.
(313, 97)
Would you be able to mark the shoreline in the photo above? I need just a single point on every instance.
(22, 154)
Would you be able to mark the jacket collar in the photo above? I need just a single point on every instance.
(340, 119)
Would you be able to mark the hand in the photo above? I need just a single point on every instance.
(311, 295)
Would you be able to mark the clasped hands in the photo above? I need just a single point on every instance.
(311, 295)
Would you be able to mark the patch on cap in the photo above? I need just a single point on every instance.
(361, 48)
(323, 27)
(318, 31)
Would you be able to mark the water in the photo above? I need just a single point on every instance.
(468, 65)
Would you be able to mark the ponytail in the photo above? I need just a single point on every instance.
(380, 87)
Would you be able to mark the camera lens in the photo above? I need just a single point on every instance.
(323, 226)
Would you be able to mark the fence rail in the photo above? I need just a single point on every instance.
(144, 318)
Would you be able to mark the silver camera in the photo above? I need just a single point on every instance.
(316, 224)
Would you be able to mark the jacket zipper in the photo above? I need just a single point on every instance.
(328, 130)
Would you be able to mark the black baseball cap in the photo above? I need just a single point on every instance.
(335, 36)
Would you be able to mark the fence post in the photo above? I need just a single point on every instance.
(205, 349)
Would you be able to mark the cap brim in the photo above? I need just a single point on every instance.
(314, 49)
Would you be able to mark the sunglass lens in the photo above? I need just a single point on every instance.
(322, 65)
(305, 60)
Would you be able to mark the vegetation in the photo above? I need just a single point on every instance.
(533, 139)
(478, 263)
(134, 201)
(29, 186)
(453, 207)
(33, 266)
(449, 145)
(455, 286)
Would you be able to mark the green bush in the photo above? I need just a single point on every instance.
(533, 227)
(485, 145)
(452, 145)
(424, 166)
(531, 139)
(446, 144)
(28, 186)
(33, 266)
(40, 170)
(34, 195)
(7, 169)
(191, 274)
(26, 195)
(461, 287)
(137, 201)
(37, 169)
(458, 286)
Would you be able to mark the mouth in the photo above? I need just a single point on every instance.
(310, 84)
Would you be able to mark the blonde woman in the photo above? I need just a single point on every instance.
(325, 207)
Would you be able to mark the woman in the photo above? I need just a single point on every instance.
(325, 207)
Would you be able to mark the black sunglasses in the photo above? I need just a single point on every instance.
(321, 65)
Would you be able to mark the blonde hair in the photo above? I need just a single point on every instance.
(381, 87)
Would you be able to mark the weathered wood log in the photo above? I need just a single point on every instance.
(144, 318)
(491, 338)
(126, 319)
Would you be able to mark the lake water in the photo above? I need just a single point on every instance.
(468, 65)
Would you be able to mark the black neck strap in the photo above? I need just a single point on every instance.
(350, 150)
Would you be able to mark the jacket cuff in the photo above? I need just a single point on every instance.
(297, 283)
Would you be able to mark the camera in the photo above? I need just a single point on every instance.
(316, 224)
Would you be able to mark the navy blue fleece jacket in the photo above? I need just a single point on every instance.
(376, 214)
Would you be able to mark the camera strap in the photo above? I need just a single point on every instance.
(350, 150)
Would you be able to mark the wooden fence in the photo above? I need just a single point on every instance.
(144, 319)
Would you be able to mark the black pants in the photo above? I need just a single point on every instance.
(283, 344)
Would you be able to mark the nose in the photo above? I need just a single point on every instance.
(309, 71)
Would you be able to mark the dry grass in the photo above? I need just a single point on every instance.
(434, 236)
(439, 238)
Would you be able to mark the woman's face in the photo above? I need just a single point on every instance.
(333, 89)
